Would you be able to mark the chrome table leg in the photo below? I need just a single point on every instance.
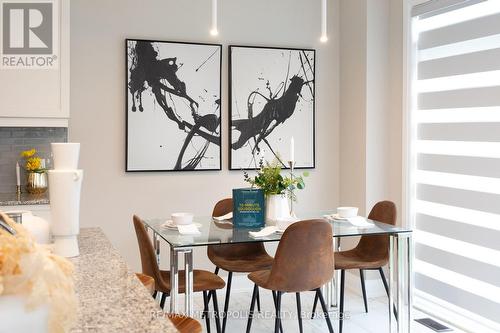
(409, 253)
(188, 271)
(400, 271)
(336, 281)
(174, 280)
(156, 245)
(391, 265)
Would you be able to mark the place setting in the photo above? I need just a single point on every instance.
(183, 223)
(349, 215)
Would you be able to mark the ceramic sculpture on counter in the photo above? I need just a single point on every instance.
(65, 183)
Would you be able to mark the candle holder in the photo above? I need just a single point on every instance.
(18, 192)
(291, 164)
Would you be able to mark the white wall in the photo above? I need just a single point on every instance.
(370, 106)
(353, 90)
(370, 102)
(98, 29)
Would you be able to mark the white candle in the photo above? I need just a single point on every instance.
(292, 150)
(18, 174)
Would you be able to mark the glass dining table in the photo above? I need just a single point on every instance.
(213, 232)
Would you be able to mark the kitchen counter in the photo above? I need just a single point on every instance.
(110, 297)
(11, 199)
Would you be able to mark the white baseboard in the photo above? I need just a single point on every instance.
(453, 315)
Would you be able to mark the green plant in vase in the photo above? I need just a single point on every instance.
(277, 188)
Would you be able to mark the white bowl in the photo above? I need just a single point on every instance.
(182, 218)
(346, 212)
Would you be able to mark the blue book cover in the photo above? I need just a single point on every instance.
(248, 208)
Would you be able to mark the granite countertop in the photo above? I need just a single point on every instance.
(110, 297)
(11, 199)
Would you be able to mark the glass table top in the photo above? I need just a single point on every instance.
(215, 232)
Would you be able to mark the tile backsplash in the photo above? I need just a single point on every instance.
(13, 140)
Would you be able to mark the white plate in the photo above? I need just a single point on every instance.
(335, 217)
(169, 224)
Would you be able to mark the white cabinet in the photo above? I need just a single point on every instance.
(39, 97)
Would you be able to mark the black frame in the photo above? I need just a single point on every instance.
(230, 87)
(127, 104)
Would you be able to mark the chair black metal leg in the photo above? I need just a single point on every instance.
(252, 305)
(226, 302)
(216, 272)
(216, 311)
(299, 312)
(363, 289)
(274, 299)
(386, 286)
(163, 298)
(314, 305)
(277, 321)
(258, 300)
(205, 311)
(325, 310)
(341, 308)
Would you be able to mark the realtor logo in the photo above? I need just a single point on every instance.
(28, 30)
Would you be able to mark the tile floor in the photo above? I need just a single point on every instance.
(375, 321)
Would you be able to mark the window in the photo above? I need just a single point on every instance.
(454, 173)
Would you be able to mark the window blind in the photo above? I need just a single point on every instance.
(455, 176)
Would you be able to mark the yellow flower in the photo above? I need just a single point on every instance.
(33, 163)
(28, 153)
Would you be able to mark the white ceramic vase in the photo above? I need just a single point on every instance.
(276, 208)
(65, 187)
(65, 155)
(15, 318)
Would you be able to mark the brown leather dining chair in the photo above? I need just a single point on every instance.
(236, 258)
(303, 262)
(204, 281)
(371, 253)
(182, 323)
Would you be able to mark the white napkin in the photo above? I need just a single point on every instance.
(188, 229)
(264, 232)
(228, 216)
(359, 221)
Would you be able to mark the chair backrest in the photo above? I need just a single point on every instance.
(304, 259)
(231, 251)
(148, 256)
(377, 246)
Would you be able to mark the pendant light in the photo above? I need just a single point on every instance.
(214, 31)
(324, 36)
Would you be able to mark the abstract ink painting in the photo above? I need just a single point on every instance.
(173, 94)
(271, 100)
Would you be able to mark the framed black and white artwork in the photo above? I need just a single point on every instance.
(173, 107)
(272, 99)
